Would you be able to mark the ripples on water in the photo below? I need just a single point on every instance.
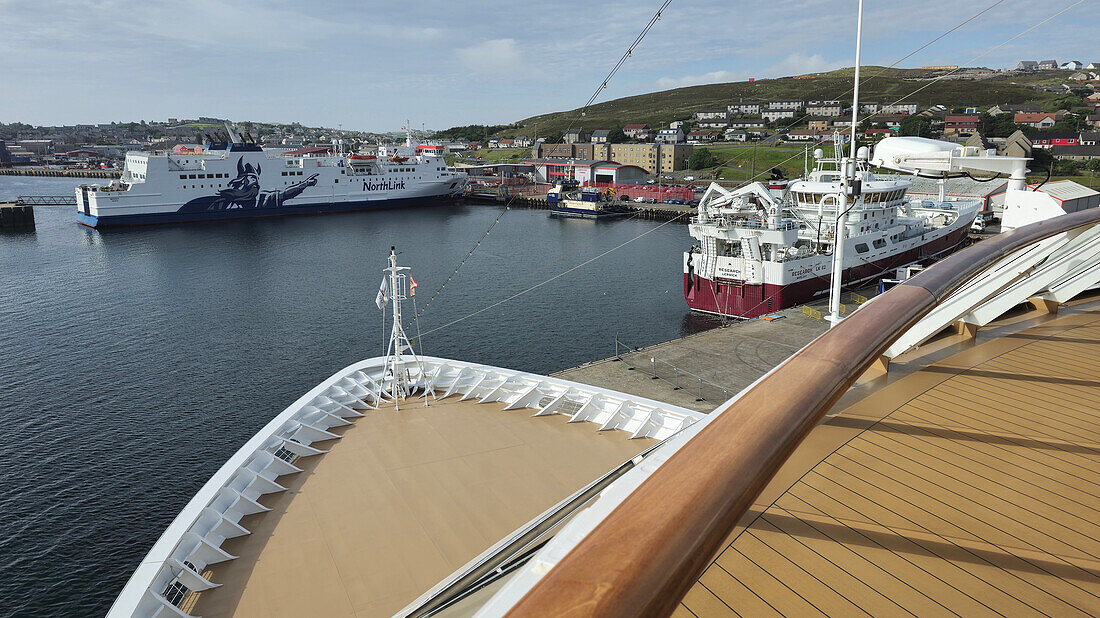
(134, 362)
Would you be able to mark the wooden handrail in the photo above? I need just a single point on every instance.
(647, 553)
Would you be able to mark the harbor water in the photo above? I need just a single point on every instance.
(134, 362)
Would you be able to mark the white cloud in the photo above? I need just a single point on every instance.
(491, 55)
(714, 77)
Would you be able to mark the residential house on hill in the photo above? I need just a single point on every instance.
(772, 115)
(1076, 153)
(1049, 140)
(1073, 65)
(803, 135)
(901, 107)
(960, 126)
(701, 137)
(1093, 66)
(1005, 108)
(640, 132)
(1027, 65)
(575, 136)
(869, 108)
(890, 121)
(1039, 121)
(747, 123)
(743, 108)
(736, 135)
(507, 142)
(722, 115)
(522, 141)
(824, 108)
(1048, 65)
(1089, 138)
(599, 136)
(670, 136)
(786, 104)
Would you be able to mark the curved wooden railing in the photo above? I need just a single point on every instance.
(645, 555)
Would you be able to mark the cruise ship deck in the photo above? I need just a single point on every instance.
(965, 483)
(402, 500)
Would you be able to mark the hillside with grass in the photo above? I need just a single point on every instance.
(878, 84)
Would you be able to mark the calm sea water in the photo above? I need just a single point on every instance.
(134, 362)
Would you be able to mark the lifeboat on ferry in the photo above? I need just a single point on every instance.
(397, 159)
(362, 157)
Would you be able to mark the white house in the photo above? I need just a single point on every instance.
(743, 108)
(776, 114)
(670, 136)
(1073, 65)
(901, 107)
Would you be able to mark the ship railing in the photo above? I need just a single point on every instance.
(645, 544)
(637, 359)
(176, 566)
(746, 223)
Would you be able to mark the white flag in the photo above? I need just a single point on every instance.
(383, 297)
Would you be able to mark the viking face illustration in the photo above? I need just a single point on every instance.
(245, 187)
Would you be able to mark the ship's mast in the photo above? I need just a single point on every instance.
(848, 188)
(396, 381)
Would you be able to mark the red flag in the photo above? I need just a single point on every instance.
(412, 286)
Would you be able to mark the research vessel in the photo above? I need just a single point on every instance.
(762, 248)
(237, 178)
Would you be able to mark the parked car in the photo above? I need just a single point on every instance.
(978, 225)
(639, 199)
(689, 178)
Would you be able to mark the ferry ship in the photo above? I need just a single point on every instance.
(237, 178)
(762, 248)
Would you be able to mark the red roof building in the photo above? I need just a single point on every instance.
(1039, 121)
(960, 126)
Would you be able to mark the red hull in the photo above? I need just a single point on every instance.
(752, 300)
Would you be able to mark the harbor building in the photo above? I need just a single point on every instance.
(586, 170)
(653, 158)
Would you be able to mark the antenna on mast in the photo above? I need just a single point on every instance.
(397, 381)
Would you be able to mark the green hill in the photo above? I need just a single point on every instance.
(879, 84)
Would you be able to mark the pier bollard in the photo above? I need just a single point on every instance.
(653, 364)
(675, 378)
(700, 390)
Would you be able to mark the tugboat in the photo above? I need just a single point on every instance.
(569, 200)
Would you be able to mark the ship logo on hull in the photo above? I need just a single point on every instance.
(383, 185)
(244, 192)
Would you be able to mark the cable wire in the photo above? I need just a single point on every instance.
(555, 277)
(629, 51)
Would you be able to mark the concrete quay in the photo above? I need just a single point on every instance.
(730, 357)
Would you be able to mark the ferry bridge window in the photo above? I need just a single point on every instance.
(879, 243)
(192, 177)
(861, 248)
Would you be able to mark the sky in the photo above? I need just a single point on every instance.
(372, 65)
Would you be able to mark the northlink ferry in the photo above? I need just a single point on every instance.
(237, 178)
